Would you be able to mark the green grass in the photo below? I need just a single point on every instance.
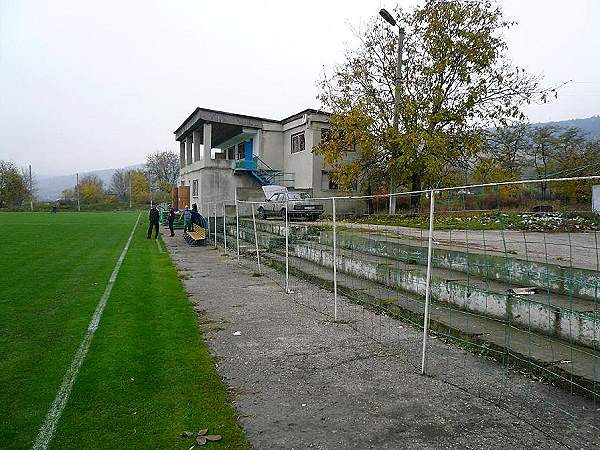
(147, 376)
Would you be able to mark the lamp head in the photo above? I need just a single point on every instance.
(387, 17)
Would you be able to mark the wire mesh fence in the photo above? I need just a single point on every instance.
(500, 281)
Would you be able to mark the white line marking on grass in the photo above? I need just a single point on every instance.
(160, 250)
(58, 405)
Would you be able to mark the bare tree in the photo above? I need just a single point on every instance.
(162, 169)
(507, 148)
(119, 183)
(543, 152)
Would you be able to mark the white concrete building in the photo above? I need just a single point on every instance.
(223, 152)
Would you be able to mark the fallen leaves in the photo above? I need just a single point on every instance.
(201, 437)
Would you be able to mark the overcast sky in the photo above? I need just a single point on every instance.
(99, 84)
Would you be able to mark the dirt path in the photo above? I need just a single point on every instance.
(300, 381)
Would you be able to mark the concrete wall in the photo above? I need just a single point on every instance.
(271, 146)
(217, 183)
(299, 163)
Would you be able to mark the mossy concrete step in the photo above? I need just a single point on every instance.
(277, 227)
(551, 314)
(265, 240)
(573, 282)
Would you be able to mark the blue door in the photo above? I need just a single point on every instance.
(248, 154)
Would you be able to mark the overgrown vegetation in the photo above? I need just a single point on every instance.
(547, 222)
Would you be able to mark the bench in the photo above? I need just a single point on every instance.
(196, 237)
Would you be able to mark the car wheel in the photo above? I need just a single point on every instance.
(262, 214)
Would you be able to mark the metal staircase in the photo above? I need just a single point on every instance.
(263, 173)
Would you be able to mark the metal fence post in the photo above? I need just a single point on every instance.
(334, 262)
(207, 217)
(237, 227)
(256, 239)
(224, 229)
(428, 283)
(215, 224)
(287, 251)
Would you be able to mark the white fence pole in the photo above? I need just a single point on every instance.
(334, 262)
(428, 283)
(237, 227)
(207, 217)
(224, 229)
(215, 224)
(256, 239)
(287, 251)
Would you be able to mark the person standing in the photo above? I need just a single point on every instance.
(154, 217)
(194, 216)
(171, 219)
(187, 219)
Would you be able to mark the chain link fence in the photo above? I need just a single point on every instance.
(490, 288)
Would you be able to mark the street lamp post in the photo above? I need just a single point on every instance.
(397, 80)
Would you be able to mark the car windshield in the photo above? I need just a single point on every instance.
(297, 195)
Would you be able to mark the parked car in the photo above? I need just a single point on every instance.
(299, 204)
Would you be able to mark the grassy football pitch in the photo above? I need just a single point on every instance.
(147, 376)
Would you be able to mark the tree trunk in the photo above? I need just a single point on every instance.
(415, 199)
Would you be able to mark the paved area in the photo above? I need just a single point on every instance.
(299, 380)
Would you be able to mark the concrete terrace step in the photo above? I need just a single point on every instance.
(505, 342)
(551, 278)
(548, 313)
(569, 281)
(476, 261)
(567, 317)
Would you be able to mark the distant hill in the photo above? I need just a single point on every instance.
(591, 125)
(50, 187)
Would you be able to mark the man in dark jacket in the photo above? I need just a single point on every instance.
(171, 219)
(154, 217)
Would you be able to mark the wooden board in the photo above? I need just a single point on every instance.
(183, 196)
(174, 197)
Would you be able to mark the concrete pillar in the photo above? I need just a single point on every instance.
(207, 141)
(257, 147)
(181, 153)
(188, 149)
(197, 139)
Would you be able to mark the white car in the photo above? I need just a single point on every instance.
(298, 203)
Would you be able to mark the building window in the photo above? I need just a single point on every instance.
(298, 144)
(195, 188)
